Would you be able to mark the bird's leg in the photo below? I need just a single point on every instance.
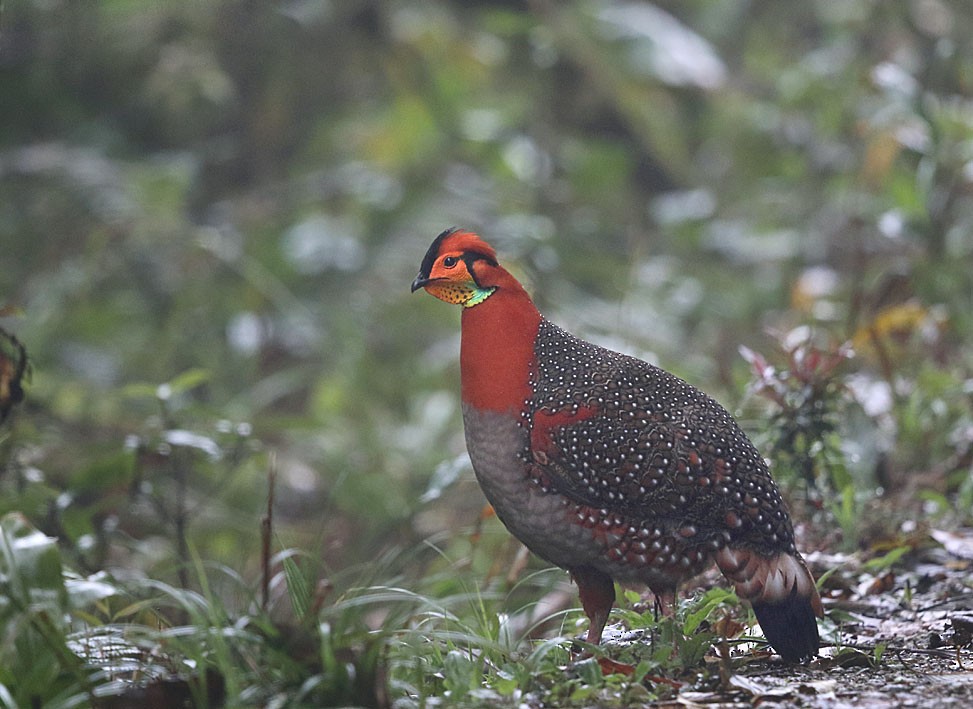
(597, 592)
(664, 602)
(664, 606)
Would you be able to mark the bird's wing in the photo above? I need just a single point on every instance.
(613, 432)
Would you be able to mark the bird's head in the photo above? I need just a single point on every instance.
(459, 268)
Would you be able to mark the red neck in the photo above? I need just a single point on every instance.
(497, 352)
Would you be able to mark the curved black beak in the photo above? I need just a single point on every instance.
(419, 282)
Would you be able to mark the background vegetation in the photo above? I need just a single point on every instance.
(210, 214)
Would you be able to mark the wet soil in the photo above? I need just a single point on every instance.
(896, 635)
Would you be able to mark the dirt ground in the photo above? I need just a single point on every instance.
(900, 635)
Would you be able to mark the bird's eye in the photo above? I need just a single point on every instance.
(450, 261)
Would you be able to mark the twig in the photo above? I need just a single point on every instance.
(946, 602)
(266, 532)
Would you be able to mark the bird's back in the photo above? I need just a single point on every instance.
(613, 432)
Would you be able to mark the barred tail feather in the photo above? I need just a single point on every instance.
(781, 590)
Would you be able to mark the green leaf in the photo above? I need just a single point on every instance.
(102, 474)
(888, 559)
(84, 591)
(713, 598)
(298, 588)
(188, 380)
(589, 671)
(30, 569)
(505, 683)
(460, 673)
(6, 698)
(139, 391)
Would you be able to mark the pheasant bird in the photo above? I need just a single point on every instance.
(610, 467)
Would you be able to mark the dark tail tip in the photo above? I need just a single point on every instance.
(790, 626)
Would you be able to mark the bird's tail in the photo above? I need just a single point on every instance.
(783, 595)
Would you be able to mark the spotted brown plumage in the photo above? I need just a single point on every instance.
(610, 467)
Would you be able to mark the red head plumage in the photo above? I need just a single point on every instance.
(458, 241)
(499, 319)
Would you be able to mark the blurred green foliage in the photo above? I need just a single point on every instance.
(210, 214)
